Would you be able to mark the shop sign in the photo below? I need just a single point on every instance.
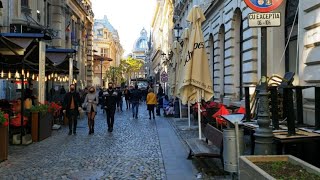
(264, 19)
(263, 6)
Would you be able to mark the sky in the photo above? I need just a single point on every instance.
(126, 16)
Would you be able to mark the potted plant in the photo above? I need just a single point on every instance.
(4, 137)
(276, 167)
(41, 122)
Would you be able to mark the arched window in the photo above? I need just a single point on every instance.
(291, 22)
(221, 61)
(238, 63)
(211, 45)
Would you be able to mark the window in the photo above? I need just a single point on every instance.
(48, 15)
(104, 52)
(291, 24)
(25, 3)
(222, 56)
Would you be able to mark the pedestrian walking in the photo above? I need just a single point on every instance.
(90, 104)
(119, 99)
(135, 97)
(72, 106)
(151, 102)
(160, 91)
(110, 104)
(127, 97)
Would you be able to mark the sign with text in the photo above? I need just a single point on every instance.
(264, 19)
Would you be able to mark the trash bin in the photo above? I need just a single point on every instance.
(230, 149)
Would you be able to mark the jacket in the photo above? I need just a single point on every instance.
(110, 99)
(151, 98)
(93, 98)
(67, 102)
(135, 96)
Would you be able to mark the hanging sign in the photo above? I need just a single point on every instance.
(264, 19)
(263, 6)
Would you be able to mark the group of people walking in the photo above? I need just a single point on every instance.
(110, 100)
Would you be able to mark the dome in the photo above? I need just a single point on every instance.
(141, 43)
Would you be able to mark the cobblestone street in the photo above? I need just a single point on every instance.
(132, 151)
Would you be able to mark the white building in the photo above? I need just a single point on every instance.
(234, 48)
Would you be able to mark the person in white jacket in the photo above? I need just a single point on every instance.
(90, 104)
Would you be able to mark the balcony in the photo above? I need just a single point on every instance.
(86, 8)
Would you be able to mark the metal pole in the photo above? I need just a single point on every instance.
(101, 83)
(247, 104)
(263, 134)
(22, 104)
(189, 117)
(180, 108)
(199, 114)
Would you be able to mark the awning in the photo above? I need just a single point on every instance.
(57, 56)
(99, 58)
(17, 43)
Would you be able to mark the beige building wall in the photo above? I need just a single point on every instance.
(162, 28)
(106, 43)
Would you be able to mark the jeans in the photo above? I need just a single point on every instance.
(110, 117)
(135, 109)
(72, 117)
(128, 103)
(119, 104)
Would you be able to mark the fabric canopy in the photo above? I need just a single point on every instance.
(58, 56)
(176, 49)
(195, 75)
(180, 64)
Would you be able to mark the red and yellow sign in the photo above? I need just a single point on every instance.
(263, 6)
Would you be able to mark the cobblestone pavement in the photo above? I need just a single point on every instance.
(131, 151)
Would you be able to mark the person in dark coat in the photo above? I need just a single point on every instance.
(119, 99)
(135, 98)
(110, 104)
(72, 106)
(126, 93)
(160, 91)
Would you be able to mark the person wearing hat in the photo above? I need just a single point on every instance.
(71, 106)
(90, 103)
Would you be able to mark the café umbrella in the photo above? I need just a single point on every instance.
(196, 83)
(176, 48)
(180, 63)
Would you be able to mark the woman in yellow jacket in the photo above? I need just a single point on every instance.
(151, 102)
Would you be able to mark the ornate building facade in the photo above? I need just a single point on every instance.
(161, 40)
(234, 49)
(106, 44)
(139, 51)
(69, 25)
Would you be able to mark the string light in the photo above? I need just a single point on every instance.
(37, 78)
(22, 72)
(56, 75)
(28, 74)
(9, 75)
(2, 73)
(16, 75)
(46, 79)
(33, 76)
(49, 77)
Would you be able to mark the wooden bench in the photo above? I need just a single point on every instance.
(201, 149)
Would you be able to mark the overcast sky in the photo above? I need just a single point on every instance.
(127, 16)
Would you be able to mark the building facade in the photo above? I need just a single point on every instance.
(106, 44)
(139, 51)
(234, 49)
(69, 25)
(162, 38)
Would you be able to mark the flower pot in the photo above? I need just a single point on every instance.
(41, 126)
(249, 170)
(35, 126)
(45, 125)
(4, 142)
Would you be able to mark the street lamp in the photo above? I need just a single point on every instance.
(177, 32)
(101, 59)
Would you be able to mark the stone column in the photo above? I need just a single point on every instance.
(42, 71)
